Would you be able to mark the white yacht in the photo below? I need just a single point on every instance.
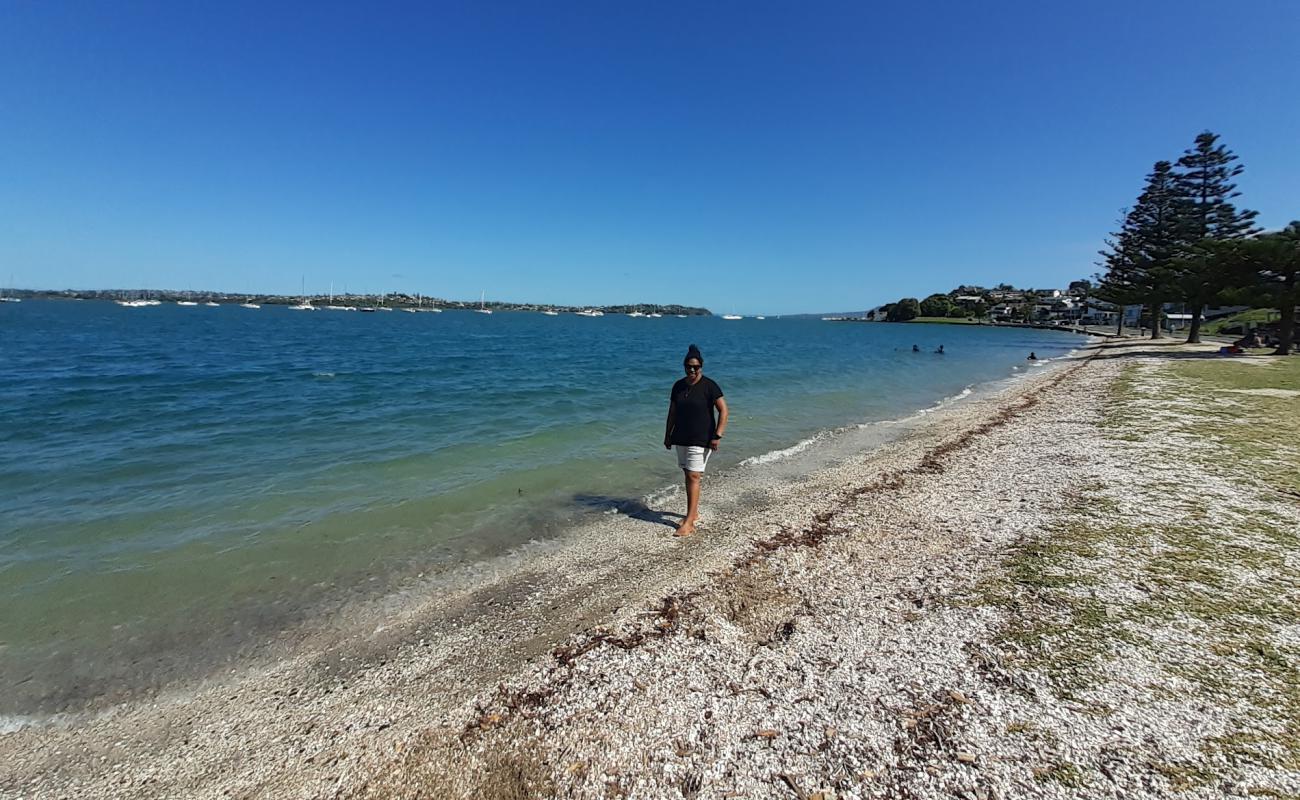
(5, 298)
(732, 316)
(590, 312)
(249, 305)
(482, 307)
(305, 305)
(211, 304)
(550, 312)
(186, 303)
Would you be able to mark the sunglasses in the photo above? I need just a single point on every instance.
(693, 367)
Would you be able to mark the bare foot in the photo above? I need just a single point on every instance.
(686, 528)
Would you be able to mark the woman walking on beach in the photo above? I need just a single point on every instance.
(692, 429)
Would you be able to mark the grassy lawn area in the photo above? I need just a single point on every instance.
(1183, 562)
(1254, 315)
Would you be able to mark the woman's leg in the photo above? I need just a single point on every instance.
(692, 503)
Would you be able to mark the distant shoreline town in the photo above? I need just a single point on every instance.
(343, 300)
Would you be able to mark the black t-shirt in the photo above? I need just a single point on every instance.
(693, 422)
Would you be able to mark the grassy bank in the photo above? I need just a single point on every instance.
(1169, 590)
(1250, 318)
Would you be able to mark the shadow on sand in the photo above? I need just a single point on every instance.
(628, 506)
(1163, 348)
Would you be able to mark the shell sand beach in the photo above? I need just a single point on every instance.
(1084, 585)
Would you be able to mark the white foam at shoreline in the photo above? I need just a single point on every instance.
(13, 723)
(777, 455)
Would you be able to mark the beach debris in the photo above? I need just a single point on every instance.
(794, 787)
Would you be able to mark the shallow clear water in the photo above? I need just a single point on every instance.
(180, 479)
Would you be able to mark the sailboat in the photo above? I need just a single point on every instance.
(732, 316)
(305, 305)
(8, 298)
(186, 303)
(482, 307)
(655, 314)
(332, 306)
(550, 312)
(249, 305)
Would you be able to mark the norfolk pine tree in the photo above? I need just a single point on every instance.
(1205, 189)
(1270, 265)
(1141, 256)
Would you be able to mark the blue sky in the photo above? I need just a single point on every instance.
(761, 157)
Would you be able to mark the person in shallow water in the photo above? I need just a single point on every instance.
(693, 430)
(1032, 357)
(940, 350)
(915, 349)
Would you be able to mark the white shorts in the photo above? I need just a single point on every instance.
(691, 458)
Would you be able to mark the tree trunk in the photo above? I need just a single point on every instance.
(1155, 319)
(1194, 335)
(1119, 326)
(1286, 328)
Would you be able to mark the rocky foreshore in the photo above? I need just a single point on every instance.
(1016, 599)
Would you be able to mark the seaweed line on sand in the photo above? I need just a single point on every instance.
(674, 610)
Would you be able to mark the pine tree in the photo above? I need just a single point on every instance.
(1204, 183)
(1270, 264)
(1140, 257)
(1118, 285)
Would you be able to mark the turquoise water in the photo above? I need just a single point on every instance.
(181, 480)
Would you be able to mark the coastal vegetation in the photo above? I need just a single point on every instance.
(1184, 240)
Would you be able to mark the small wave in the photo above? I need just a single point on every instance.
(964, 393)
(660, 496)
(322, 374)
(12, 723)
(777, 455)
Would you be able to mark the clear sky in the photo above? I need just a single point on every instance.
(758, 156)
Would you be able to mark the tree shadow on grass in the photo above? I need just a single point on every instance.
(1148, 349)
(634, 508)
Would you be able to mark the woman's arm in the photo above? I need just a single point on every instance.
(670, 424)
(721, 405)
